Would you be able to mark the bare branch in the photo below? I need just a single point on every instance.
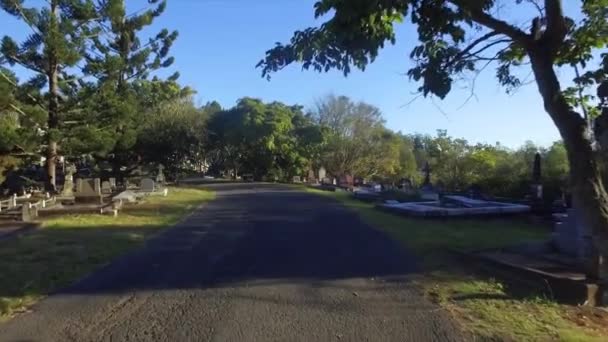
(497, 42)
(541, 11)
(471, 46)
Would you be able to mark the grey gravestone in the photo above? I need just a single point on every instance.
(88, 187)
(147, 185)
(106, 187)
(571, 237)
(112, 183)
(88, 190)
(297, 179)
(428, 194)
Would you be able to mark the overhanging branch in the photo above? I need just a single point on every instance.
(479, 16)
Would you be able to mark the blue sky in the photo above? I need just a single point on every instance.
(220, 43)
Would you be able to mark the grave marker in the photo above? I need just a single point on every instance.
(147, 185)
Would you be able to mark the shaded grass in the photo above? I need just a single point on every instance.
(68, 247)
(485, 307)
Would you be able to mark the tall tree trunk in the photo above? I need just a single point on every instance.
(53, 110)
(588, 189)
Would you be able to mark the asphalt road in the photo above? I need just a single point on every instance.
(260, 263)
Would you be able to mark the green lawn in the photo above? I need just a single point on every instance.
(484, 306)
(68, 247)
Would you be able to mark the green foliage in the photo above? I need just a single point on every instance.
(9, 135)
(262, 139)
(119, 56)
(99, 112)
(173, 134)
(19, 121)
(455, 37)
(457, 165)
(358, 143)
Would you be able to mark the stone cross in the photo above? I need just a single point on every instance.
(160, 176)
(427, 173)
(68, 183)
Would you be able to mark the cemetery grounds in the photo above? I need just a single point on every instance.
(66, 248)
(484, 306)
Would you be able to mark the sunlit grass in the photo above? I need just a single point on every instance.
(483, 306)
(68, 247)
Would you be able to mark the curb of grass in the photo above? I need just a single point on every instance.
(126, 256)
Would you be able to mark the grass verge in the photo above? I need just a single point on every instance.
(67, 248)
(485, 307)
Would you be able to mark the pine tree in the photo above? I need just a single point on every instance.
(121, 64)
(59, 31)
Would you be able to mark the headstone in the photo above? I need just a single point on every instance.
(297, 179)
(429, 196)
(27, 213)
(97, 185)
(322, 173)
(88, 190)
(571, 237)
(311, 176)
(85, 187)
(160, 176)
(334, 181)
(112, 181)
(106, 187)
(12, 203)
(147, 185)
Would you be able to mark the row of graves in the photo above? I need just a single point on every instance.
(320, 178)
(558, 264)
(80, 195)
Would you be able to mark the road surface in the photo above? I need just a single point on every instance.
(260, 263)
